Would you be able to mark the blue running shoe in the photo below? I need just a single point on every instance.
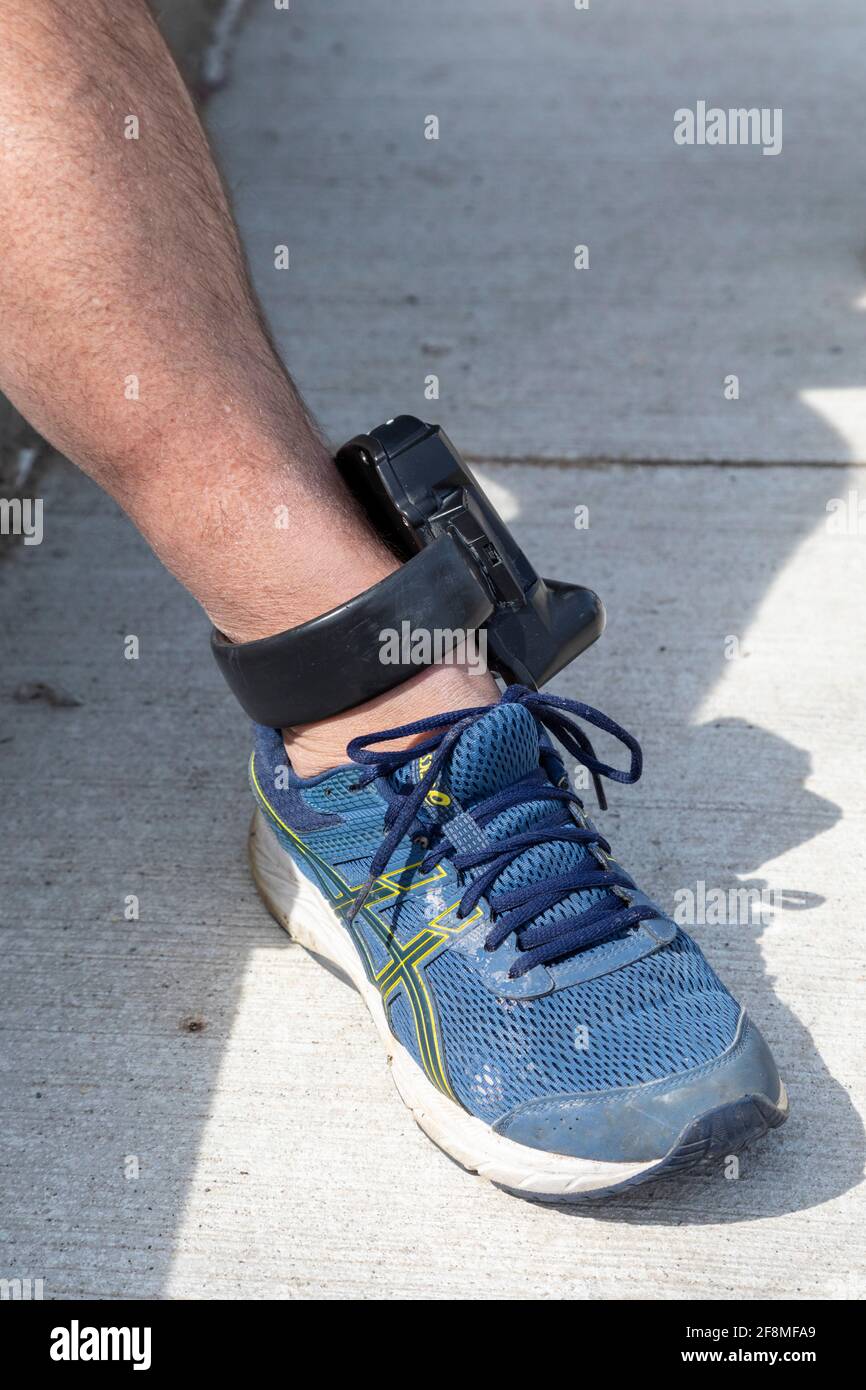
(547, 1024)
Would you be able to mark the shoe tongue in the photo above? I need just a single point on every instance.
(494, 752)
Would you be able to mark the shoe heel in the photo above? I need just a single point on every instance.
(298, 905)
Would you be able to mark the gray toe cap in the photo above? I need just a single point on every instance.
(643, 1122)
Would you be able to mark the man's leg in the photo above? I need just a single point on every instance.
(510, 1042)
(132, 339)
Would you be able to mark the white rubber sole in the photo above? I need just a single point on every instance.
(302, 910)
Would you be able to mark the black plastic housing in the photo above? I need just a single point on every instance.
(414, 487)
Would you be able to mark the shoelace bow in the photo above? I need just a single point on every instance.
(515, 909)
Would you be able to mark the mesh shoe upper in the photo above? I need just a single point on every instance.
(660, 1014)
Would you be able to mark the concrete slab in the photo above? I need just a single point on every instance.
(454, 257)
(193, 1108)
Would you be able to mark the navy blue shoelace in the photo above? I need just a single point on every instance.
(515, 909)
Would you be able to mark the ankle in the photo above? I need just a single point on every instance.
(315, 748)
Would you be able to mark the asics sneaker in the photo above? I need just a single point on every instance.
(547, 1024)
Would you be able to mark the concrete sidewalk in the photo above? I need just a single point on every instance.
(454, 257)
(246, 1083)
(191, 1106)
